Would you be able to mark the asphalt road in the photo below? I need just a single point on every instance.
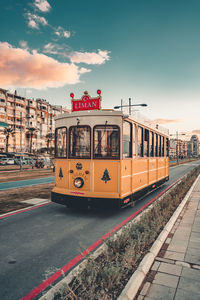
(36, 243)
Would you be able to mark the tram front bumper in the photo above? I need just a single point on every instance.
(72, 201)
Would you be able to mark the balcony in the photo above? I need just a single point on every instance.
(2, 103)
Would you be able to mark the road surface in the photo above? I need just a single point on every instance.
(36, 243)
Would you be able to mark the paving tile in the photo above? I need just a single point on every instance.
(181, 235)
(185, 295)
(160, 292)
(194, 244)
(170, 269)
(189, 285)
(168, 240)
(155, 266)
(178, 245)
(196, 228)
(191, 273)
(192, 256)
(174, 255)
(170, 261)
(145, 288)
(166, 280)
(195, 235)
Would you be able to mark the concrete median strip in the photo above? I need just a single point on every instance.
(134, 283)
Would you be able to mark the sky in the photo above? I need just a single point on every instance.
(146, 50)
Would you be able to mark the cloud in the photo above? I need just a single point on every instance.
(42, 5)
(90, 58)
(34, 21)
(164, 121)
(19, 67)
(196, 131)
(23, 44)
(52, 48)
(61, 32)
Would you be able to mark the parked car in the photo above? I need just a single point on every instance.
(3, 161)
(7, 161)
(10, 161)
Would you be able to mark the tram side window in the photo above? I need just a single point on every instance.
(167, 147)
(79, 142)
(133, 140)
(106, 141)
(146, 143)
(61, 142)
(140, 141)
(127, 143)
(157, 146)
(151, 144)
(162, 146)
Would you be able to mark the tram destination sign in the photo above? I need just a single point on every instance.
(86, 102)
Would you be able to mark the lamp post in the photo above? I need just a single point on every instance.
(129, 105)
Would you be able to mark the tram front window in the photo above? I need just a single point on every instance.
(60, 145)
(79, 142)
(106, 141)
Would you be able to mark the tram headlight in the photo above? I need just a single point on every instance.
(78, 182)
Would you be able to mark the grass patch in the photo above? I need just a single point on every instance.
(106, 276)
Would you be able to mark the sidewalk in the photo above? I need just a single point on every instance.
(175, 273)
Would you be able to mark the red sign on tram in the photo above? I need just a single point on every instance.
(86, 102)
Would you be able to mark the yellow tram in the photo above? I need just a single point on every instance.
(106, 157)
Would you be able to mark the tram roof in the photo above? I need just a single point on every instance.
(138, 118)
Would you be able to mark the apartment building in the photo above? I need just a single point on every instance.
(29, 121)
(193, 146)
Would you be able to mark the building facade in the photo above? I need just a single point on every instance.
(30, 123)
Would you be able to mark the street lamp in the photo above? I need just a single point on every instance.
(129, 105)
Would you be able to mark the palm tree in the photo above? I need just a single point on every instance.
(31, 132)
(49, 138)
(8, 131)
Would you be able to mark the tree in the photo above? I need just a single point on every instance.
(49, 138)
(31, 132)
(8, 131)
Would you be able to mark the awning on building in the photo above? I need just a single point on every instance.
(3, 124)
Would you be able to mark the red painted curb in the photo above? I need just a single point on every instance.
(46, 283)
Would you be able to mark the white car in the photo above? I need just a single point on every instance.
(7, 161)
(10, 161)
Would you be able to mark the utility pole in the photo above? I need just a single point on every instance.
(129, 106)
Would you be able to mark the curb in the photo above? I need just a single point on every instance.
(134, 283)
(14, 212)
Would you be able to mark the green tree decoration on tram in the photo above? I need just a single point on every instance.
(106, 176)
(60, 173)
